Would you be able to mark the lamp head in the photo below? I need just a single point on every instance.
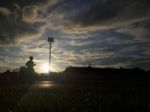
(50, 39)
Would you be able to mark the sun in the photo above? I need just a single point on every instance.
(45, 68)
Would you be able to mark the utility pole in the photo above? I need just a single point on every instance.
(50, 40)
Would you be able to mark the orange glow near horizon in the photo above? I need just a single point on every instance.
(44, 68)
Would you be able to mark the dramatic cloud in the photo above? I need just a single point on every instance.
(30, 13)
(108, 12)
(10, 30)
(139, 30)
(105, 33)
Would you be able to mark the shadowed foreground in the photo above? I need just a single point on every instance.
(46, 96)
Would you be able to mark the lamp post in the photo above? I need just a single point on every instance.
(50, 40)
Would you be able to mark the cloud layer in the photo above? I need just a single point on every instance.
(105, 33)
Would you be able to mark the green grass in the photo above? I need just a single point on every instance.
(24, 99)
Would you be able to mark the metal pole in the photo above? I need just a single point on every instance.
(49, 55)
(50, 40)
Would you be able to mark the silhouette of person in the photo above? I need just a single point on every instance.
(30, 64)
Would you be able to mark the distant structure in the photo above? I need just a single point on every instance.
(50, 40)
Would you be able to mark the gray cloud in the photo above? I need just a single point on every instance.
(139, 30)
(30, 13)
(10, 30)
(19, 19)
(18, 24)
(71, 17)
(108, 12)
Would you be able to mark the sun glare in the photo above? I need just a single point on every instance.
(45, 68)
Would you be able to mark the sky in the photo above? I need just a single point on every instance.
(104, 33)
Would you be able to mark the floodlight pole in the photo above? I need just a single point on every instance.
(50, 40)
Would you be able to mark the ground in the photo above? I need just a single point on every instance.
(47, 96)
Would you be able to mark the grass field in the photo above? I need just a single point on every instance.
(74, 99)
